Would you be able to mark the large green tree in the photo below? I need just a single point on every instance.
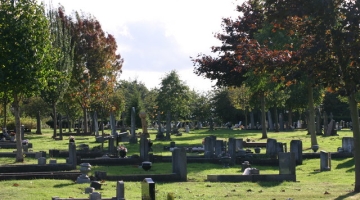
(24, 48)
(59, 75)
(174, 96)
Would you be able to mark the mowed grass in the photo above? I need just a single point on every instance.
(311, 183)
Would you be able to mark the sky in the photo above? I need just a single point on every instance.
(155, 37)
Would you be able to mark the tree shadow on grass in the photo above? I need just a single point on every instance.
(347, 164)
(350, 194)
(63, 185)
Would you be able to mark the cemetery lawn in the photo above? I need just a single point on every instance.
(311, 183)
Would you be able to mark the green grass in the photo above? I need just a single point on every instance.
(311, 183)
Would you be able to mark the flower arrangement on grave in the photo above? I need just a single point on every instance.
(12, 133)
(25, 142)
(71, 138)
(122, 150)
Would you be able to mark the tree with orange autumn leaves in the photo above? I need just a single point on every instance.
(96, 65)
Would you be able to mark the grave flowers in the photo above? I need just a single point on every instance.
(25, 142)
(122, 150)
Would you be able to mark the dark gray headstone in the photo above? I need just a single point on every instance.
(148, 189)
(232, 150)
(144, 148)
(287, 163)
(179, 163)
(325, 161)
(348, 144)
(219, 145)
(271, 148)
(296, 148)
(281, 121)
(120, 190)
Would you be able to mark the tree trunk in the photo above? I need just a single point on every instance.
(263, 116)
(19, 149)
(290, 117)
(311, 117)
(246, 118)
(356, 133)
(86, 127)
(5, 111)
(55, 119)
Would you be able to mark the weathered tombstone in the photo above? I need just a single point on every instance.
(179, 163)
(168, 125)
(72, 154)
(95, 196)
(112, 124)
(239, 144)
(287, 163)
(148, 189)
(187, 129)
(296, 148)
(144, 148)
(38, 123)
(172, 144)
(331, 128)
(133, 138)
(219, 144)
(208, 147)
(281, 121)
(232, 150)
(22, 132)
(111, 145)
(325, 161)
(299, 125)
(85, 168)
(271, 148)
(42, 161)
(271, 125)
(120, 190)
(348, 144)
(160, 133)
(325, 123)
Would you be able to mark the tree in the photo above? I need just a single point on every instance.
(174, 96)
(61, 67)
(96, 63)
(24, 49)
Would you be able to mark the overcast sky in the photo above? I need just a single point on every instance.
(157, 36)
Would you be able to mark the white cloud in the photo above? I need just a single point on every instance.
(157, 36)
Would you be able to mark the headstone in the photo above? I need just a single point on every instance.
(52, 161)
(112, 123)
(38, 155)
(89, 190)
(299, 125)
(168, 125)
(95, 196)
(42, 161)
(120, 190)
(72, 154)
(325, 161)
(296, 148)
(22, 131)
(232, 150)
(111, 145)
(271, 148)
(187, 129)
(133, 138)
(287, 163)
(38, 123)
(148, 189)
(179, 163)
(348, 144)
(325, 124)
(144, 148)
(239, 144)
(330, 128)
(211, 124)
(208, 147)
(219, 144)
(281, 121)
